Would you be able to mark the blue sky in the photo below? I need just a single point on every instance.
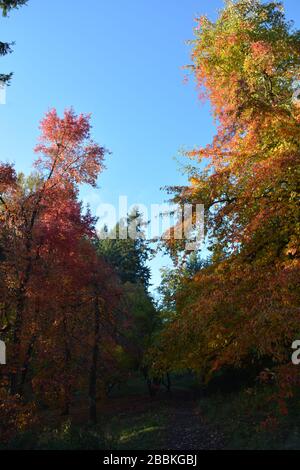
(121, 61)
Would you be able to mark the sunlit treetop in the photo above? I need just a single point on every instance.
(66, 150)
(245, 63)
(248, 58)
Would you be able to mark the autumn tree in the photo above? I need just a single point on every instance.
(245, 305)
(66, 314)
(66, 157)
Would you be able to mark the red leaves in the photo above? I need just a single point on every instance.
(70, 129)
(15, 416)
(50, 271)
(7, 177)
(67, 151)
(260, 48)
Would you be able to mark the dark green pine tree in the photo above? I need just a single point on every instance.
(6, 48)
(128, 256)
(7, 5)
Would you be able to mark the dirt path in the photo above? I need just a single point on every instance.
(187, 429)
(184, 425)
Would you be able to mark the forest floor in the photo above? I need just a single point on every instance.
(187, 428)
(172, 421)
(132, 420)
(181, 420)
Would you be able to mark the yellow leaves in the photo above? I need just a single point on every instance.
(291, 251)
(294, 196)
(194, 181)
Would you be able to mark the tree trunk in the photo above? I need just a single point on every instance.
(94, 366)
(168, 383)
(67, 387)
(26, 364)
(15, 375)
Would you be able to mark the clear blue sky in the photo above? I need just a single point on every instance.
(120, 60)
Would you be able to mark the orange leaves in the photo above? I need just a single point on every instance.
(245, 305)
(247, 182)
(260, 48)
(262, 56)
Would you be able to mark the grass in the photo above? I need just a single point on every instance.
(130, 420)
(64, 437)
(239, 416)
(145, 431)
